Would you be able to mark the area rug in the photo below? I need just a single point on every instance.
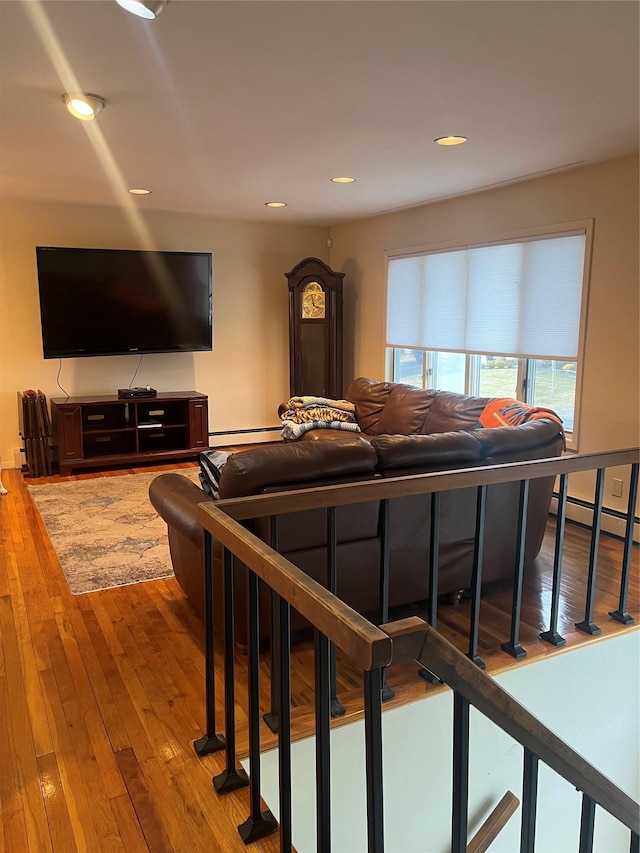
(104, 531)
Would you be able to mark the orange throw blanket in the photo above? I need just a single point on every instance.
(505, 411)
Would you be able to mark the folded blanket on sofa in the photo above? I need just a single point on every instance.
(316, 413)
(302, 409)
(309, 402)
(211, 464)
(505, 411)
(293, 430)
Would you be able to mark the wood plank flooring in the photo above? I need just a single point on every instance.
(101, 695)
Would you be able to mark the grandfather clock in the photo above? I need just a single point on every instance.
(315, 329)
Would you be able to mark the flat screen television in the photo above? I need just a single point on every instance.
(119, 301)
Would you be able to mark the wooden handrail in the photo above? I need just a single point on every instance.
(453, 668)
(494, 824)
(297, 500)
(366, 645)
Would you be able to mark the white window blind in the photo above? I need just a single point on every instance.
(515, 299)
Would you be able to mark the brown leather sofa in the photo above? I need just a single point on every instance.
(405, 431)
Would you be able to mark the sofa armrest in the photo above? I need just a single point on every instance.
(175, 499)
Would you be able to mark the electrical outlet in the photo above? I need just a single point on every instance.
(616, 487)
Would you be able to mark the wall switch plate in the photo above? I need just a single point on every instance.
(616, 487)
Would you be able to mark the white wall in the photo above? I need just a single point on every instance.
(589, 696)
(247, 374)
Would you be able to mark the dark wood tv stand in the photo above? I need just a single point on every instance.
(93, 432)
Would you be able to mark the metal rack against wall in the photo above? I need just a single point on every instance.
(35, 431)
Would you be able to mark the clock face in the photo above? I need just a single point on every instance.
(313, 301)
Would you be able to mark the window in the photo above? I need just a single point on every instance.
(500, 319)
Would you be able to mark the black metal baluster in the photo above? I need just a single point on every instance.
(232, 777)
(271, 717)
(434, 548)
(337, 708)
(529, 802)
(621, 614)
(209, 742)
(552, 636)
(259, 823)
(323, 744)
(476, 578)
(284, 718)
(513, 647)
(587, 824)
(634, 845)
(587, 625)
(373, 751)
(460, 793)
(387, 692)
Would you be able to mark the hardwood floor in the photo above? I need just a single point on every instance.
(101, 695)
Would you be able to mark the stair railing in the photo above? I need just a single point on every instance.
(371, 649)
(415, 640)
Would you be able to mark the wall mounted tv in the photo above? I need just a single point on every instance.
(120, 301)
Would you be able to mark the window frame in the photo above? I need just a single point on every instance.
(473, 359)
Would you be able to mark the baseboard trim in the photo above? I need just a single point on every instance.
(584, 515)
(255, 435)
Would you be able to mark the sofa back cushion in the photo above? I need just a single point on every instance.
(305, 465)
(450, 412)
(295, 465)
(426, 453)
(406, 410)
(369, 398)
(533, 440)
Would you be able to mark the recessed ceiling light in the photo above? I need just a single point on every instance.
(451, 140)
(148, 9)
(343, 180)
(85, 107)
(275, 204)
(140, 192)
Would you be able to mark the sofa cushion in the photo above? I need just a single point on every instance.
(369, 398)
(330, 435)
(513, 443)
(406, 410)
(450, 412)
(291, 464)
(426, 453)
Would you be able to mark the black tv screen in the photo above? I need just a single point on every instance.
(120, 301)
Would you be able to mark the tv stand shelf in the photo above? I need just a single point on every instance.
(93, 432)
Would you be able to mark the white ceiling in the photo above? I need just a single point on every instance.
(219, 107)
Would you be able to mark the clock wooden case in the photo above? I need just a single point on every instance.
(315, 329)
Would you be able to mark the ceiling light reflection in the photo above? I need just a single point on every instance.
(148, 9)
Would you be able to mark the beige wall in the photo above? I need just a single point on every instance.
(606, 192)
(245, 376)
(247, 373)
